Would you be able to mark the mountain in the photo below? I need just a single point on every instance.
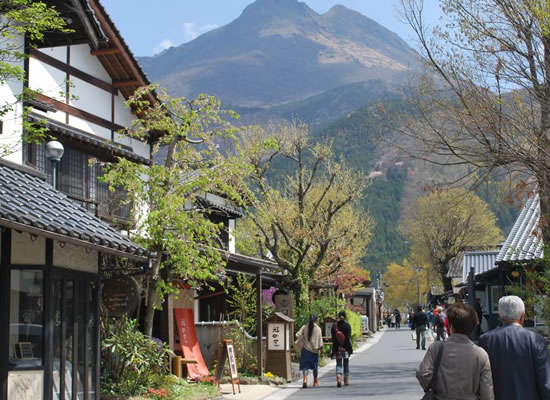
(282, 51)
(320, 110)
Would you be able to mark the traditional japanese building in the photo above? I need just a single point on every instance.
(54, 244)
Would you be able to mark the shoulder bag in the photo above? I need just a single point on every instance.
(429, 392)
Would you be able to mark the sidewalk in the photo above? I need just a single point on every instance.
(270, 392)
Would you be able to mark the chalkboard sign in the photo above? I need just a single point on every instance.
(228, 352)
(120, 295)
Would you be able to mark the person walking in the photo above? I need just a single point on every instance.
(519, 357)
(312, 340)
(397, 319)
(420, 321)
(430, 315)
(341, 347)
(464, 369)
(392, 320)
(439, 324)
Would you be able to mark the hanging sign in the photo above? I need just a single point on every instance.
(228, 353)
(120, 295)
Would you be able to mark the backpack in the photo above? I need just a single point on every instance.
(340, 337)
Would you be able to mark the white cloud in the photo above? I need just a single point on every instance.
(163, 45)
(191, 30)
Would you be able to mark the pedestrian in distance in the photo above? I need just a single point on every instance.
(341, 348)
(439, 324)
(430, 315)
(464, 369)
(477, 331)
(397, 319)
(312, 341)
(519, 357)
(420, 321)
(392, 320)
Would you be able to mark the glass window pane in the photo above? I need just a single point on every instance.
(26, 318)
(57, 297)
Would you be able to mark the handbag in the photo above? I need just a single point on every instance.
(299, 344)
(429, 392)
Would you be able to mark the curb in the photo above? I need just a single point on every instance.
(293, 387)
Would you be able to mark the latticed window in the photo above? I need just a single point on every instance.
(78, 178)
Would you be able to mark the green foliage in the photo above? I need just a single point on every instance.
(383, 202)
(131, 362)
(241, 300)
(354, 319)
(323, 307)
(170, 387)
(168, 214)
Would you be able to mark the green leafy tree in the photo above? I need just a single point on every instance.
(22, 22)
(242, 302)
(169, 218)
(307, 219)
(447, 221)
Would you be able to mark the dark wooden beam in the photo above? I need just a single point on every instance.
(76, 112)
(126, 83)
(92, 80)
(105, 52)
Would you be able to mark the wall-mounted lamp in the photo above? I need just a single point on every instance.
(515, 274)
(54, 152)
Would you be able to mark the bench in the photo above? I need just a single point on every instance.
(177, 365)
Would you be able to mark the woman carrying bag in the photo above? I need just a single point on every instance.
(341, 348)
(310, 339)
(458, 369)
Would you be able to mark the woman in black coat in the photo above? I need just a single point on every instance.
(341, 350)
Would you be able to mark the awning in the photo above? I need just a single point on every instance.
(29, 204)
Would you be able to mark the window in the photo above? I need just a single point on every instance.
(26, 318)
(78, 178)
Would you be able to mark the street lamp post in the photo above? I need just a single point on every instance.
(54, 152)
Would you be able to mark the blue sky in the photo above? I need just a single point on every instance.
(152, 26)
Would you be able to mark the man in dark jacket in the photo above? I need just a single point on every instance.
(519, 357)
(420, 320)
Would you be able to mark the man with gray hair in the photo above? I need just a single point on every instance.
(519, 357)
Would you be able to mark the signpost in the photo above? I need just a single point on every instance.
(228, 352)
(120, 295)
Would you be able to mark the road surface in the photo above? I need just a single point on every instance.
(384, 371)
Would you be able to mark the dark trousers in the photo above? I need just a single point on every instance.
(420, 331)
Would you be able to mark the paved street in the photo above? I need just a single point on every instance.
(385, 371)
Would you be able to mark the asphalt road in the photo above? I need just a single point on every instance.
(384, 371)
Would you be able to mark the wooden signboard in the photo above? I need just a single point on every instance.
(120, 295)
(228, 353)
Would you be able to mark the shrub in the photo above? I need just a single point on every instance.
(354, 320)
(131, 362)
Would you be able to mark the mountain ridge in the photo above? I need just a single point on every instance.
(279, 51)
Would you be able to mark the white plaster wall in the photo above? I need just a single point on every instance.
(26, 251)
(90, 127)
(123, 114)
(140, 148)
(25, 385)
(11, 136)
(59, 53)
(125, 140)
(90, 98)
(47, 80)
(73, 257)
(84, 61)
(231, 230)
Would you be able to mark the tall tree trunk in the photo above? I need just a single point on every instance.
(151, 298)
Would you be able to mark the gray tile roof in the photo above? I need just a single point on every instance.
(524, 242)
(29, 204)
(481, 261)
